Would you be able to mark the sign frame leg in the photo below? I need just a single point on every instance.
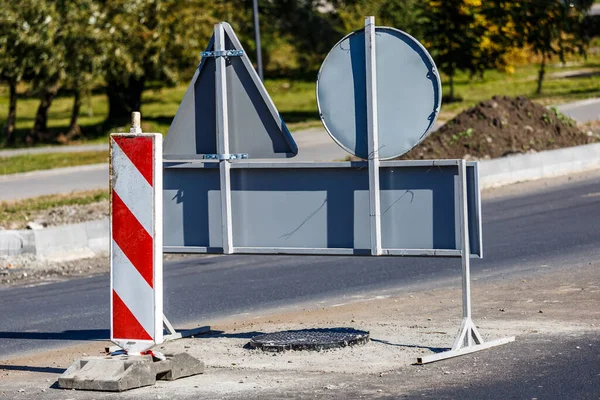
(468, 340)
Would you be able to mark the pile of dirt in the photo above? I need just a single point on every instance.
(499, 127)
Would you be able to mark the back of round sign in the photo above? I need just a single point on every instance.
(408, 93)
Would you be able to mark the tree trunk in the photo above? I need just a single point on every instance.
(74, 129)
(541, 74)
(40, 127)
(12, 113)
(451, 78)
(124, 99)
(117, 102)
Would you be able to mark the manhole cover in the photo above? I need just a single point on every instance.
(309, 339)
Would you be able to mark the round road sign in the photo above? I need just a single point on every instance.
(408, 93)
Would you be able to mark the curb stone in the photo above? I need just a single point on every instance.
(546, 164)
(88, 239)
(58, 243)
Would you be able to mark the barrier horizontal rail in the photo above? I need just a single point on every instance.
(319, 208)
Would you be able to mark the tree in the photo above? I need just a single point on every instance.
(26, 32)
(149, 40)
(80, 39)
(74, 54)
(552, 28)
(296, 34)
(405, 15)
(454, 35)
(470, 35)
(49, 71)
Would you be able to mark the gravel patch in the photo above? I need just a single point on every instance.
(71, 214)
(26, 269)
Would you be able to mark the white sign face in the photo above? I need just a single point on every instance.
(254, 126)
(408, 93)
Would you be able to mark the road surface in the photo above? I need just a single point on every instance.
(59, 180)
(520, 234)
(582, 111)
(53, 149)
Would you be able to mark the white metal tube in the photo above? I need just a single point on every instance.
(158, 237)
(373, 136)
(464, 236)
(223, 140)
(136, 123)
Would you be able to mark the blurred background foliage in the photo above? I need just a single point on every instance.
(120, 49)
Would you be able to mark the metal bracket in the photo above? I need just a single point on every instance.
(221, 157)
(222, 53)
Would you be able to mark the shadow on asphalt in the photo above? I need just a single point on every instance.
(48, 370)
(434, 349)
(83, 334)
(222, 334)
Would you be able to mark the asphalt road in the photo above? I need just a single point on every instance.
(582, 111)
(59, 180)
(520, 233)
(563, 368)
(53, 149)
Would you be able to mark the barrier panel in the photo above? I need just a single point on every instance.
(136, 240)
(320, 208)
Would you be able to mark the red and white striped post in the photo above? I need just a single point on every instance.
(136, 301)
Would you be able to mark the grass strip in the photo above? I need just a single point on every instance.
(296, 102)
(21, 210)
(35, 162)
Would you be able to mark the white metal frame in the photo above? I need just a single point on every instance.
(468, 339)
(373, 136)
(223, 139)
(158, 234)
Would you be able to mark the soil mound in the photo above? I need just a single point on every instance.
(499, 127)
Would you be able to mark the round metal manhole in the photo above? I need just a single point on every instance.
(309, 339)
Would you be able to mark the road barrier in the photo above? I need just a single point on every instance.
(214, 200)
(136, 240)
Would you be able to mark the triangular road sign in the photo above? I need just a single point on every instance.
(255, 126)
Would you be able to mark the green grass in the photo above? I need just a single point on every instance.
(523, 82)
(33, 162)
(296, 102)
(19, 211)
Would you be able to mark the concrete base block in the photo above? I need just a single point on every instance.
(116, 374)
(13, 243)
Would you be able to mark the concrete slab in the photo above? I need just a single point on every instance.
(97, 234)
(120, 373)
(13, 243)
(60, 242)
(546, 164)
